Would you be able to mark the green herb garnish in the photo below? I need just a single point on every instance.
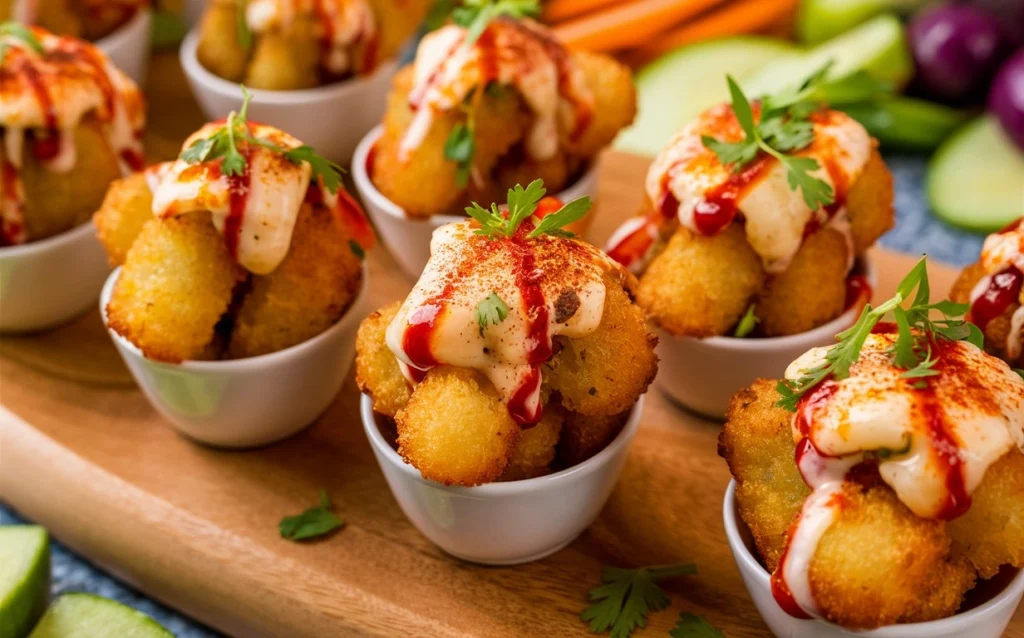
(475, 15)
(460, 148)
(522, 203)
(356, 249)
(242, 31)
(224, 144)
(316, 521)
(491, 311)
(19, 32)
(692, 626)
(625, 597)
(915, 331)
(747, 323)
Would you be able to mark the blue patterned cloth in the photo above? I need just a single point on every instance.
(916, 231)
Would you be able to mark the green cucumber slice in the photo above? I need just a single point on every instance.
(907, 124)
(819, 20)
(88, 616)
(24, 578)
(675, 88)
(976, 178)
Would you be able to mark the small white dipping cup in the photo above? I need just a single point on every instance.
(49, 282)
(330, 118)
(242, 403)
(987, 620)
(504, 523)
(128, 46)
(704, 374)
(408, 238)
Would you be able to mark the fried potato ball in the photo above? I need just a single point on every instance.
(176, 283)
(56, 202)
(455, 429)
(126, 208)
(377, 372)
(584, 436)
(611, 83)
(991, 533)
(870, 204)
(219, 50)
(306, 294)
(57, 16)
(757, 443)
(605, 372)
(556, 173)
(535, 450)
(997, 330)
(811, 292)
(701, 286)
(396, 21)
(287, 60)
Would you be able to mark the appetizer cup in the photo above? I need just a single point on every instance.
(246, 402)
(408, 238)
(330, 118)
(503, 523)
(986, 620)
(49, 282)
(703, 374)
(128, 46)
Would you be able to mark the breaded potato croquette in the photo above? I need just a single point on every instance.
(177, 281)
(285, 61)
(125, 210)
(699, 285)
(870, 203)
(584, 436)
(306, 294)
(535, 449)
(219, 50)
(991, 533)
(455, 428)
(603, 373)
(611, 84)
(377, 372)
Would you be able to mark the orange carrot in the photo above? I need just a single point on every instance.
(745, 16)
(559, 10)
(621, 27)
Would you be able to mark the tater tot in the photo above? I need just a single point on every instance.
(998, 329)
(870, 204)
(605, 372)
(701, 286)
(611, 83)
(176, 283)
(57, 16)
(556, 173)
(811, 292)
(377, 372)
(287, 60)
(455, 429)
(584, 436)
(535, 450)
(219, 50)
(396, 21)
(126, 208)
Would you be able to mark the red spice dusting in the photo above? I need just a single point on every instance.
(1003, 289)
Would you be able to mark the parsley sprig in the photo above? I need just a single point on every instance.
(916, 330)
(475, 15)
(226, 141)
(316, 521)
(492, 310)
(19, 32)
(693, 626)
(621, 603)
(522, 203)
(242, 31)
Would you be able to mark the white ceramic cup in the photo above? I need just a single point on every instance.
(128, 46)
(987, 620)
(330, 118)
(192, 12)
(504, 523)
(49, 282)
(247, 402)
(704, 374)
(408, 238)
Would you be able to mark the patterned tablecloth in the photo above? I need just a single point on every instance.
(917, 231)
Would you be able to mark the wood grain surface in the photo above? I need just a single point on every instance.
(84, 454)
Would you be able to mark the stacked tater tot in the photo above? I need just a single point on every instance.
(88, 19)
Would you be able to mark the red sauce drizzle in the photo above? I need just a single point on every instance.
(46, 147)
(238, 196)
(858, 289)
(812, 402)
(1003, 289)
(12, 232)
(419, 333)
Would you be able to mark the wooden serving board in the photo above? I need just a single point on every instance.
(84, 454)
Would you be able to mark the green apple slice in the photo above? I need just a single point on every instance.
(88, 616)
(24, 578)
(820, 20)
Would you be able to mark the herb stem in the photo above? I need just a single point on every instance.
(671, 571)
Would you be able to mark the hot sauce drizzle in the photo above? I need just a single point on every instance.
(1003, 290)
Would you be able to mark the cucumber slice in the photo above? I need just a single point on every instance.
(819, 20)
(976, 179)
(88, 616)
(878, 47)
(24, 578)
(675, 88)
(907, 124)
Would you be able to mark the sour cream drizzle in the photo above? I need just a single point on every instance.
(687, 184)
(347, 29)
(1002, 256)
(45, 98)
(932, 444)
(551, 286)
(517, 53)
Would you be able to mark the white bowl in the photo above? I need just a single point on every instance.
(408, 238)
(986, 620)
(704, 374)
(330, 118)
(49, 282)
(128, 46)
(504, 523)
(247, 402)
(192, 12)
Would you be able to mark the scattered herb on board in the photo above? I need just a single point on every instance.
(693, 626)
(621, 603)
(522, 203)
(314, 522)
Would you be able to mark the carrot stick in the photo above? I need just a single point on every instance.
(745, 16)
(559, 10)
(621, 27)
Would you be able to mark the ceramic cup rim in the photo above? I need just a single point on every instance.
(249, 364)
(960, 621)
(60, 240)
(122, 35)
(508, 488)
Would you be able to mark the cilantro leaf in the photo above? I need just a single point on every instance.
(736, 153)
(741, 107)
(691, 626)
(242, 31)
(461, 148)
(491, 311)
(625, 597)
(747, 323)
(200, 150)
(23, 33)
(555, 223)
(491, 221)
(475, 15)
(316, 521)
(816, 192)
(328, 172)
(523, 201)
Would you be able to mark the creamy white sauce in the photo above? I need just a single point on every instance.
(516, 54)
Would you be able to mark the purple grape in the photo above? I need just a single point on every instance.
(1006, 98)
